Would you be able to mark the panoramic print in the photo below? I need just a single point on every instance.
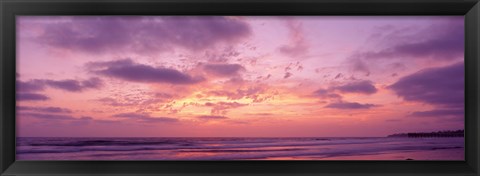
(240, 88)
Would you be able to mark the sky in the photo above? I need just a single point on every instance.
(238, 76)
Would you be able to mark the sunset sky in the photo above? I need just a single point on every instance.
(182, 76)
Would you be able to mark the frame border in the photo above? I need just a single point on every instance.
(11, 8)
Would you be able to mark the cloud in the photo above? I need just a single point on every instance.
(44, 109)
(222, 107)
(212, 117)
(359, 87)
(30, 86)
(251, 92)
(358, 65)
(339, 75)
(324, 93)
(74, 85)
(260, 114)
(114, 102)
(443, 86)
(127, 70)
(31, 97)
(349, 105)
(163, 95)
(86, 118)
(439, 113)
(66, 84)
(92, 83)
(139, 34)
(287, 75)
(440, 41)
(159, 119)
(56, 118)
(145, 118)
(47, 116)
(363, 87)
(223, 70)
(393, 120)
(70, 85)
(297, 45)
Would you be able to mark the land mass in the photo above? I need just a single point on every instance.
(457, 133)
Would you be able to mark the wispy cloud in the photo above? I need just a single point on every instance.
(212, 117)
(139, 34)
(44, 109)
(222, 107)
(349, 105)
(223, 69)
(363, 87)
(298, 45)
(145, 118)
(446, 44)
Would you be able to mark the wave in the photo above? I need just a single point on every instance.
(221, 148)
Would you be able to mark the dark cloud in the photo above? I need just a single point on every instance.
(67, 85)
(145, 118)
(363, 87)
(324, 93)
(442, 86)
(142, 34)
(30, 86)
(287, 75)
(31, 97)
(360, 87)
(92, 83)
(223, 69)
(211, 117)
(44, 109)
(349, 105)
(440, 113)
(338, 76)
(130, 71)
(74, 85)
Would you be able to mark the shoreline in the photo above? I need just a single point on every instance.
(426, 155)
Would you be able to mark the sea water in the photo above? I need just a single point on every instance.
(302, 148)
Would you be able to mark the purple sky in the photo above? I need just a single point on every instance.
(239, 76)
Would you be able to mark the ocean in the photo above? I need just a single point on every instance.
(302, 148)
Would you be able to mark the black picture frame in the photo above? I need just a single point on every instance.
(11, 8)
